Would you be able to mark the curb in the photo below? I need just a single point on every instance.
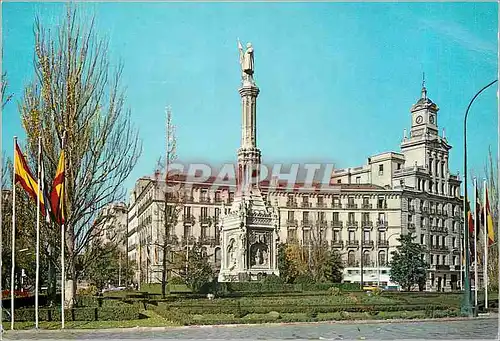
(167, 328)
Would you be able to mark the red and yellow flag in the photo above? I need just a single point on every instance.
(24, 177)
(57, 193)
(489, 221)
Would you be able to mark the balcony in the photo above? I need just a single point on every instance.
(443, 267)
(339, 244)
(291, 204)
(352, 243)
(205, 220)
(366, 206)
(368, 243)
(205, 200)
(337, 205)
(367, 223)
(352, 224)
(291, 223)
(306, 223)
(381, 206)
(305, 204)
(382, 223)
(337, 223)
(321, 205)
(292, 239)
(218, 200)
(322, 224)
(352, 205)
(188, 219)
(383, 243)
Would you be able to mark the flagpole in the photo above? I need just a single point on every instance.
(461, 262)
(63, 286)
(13, 245)
(485, 233)
(476, 276)
(37, 273)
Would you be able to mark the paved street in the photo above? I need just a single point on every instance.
(484, 328)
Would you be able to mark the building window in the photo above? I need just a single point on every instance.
(358, 180)
(335, 216)
(381, 235)
(380, 169)
(217, 213)
(336, 235)
(454, 242)
(339, 181)
(305, 216)
(321, 216)
(455, 260)
(365, 217)
(217, 196)
(187, 231)
(291, 215)
(307, 236)
(432, 259)
(366, 235)
(381, 202)
(204, 212)
(351, 258)
(305, 201)
(187, 211)
(381, 218)
(351, 217)
(231, 197)
(422, 239)
(320, 200)
(352, 236)
(204, 195)
(382, 258)
(366, 258)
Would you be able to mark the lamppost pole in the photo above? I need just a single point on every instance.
(386, 256)
(466, 307)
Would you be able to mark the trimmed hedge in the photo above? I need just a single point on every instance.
(79, 314)
(238, 309)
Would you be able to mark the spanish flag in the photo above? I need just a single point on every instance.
(489, 221)
(24, 177)
(57, 193)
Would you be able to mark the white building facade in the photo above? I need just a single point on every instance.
(361, 215)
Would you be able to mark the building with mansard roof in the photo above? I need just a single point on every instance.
(361, 213)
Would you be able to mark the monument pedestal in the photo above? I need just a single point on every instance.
(249, 240)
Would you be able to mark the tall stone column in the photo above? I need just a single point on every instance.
(248, 154)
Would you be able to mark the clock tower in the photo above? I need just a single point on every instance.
(424, 116)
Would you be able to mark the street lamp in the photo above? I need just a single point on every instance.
(466, 307)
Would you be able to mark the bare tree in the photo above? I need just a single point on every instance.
(4, 83)
(76, 91)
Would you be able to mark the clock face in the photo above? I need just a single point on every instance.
(419, 119)
(431, 119)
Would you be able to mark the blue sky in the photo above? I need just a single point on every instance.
(337, 80)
